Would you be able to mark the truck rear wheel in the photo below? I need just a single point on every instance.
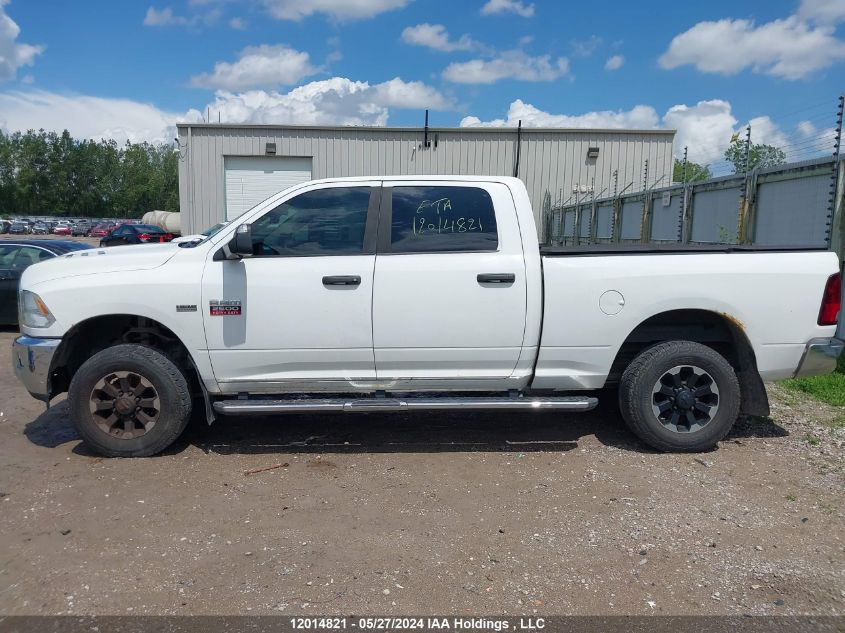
(679, 396)
(129, 401)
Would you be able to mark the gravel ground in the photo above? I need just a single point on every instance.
(399, 514)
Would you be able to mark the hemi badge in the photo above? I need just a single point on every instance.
(224, 307)
(186, 308)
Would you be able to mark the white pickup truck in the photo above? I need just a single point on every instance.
(401, 293)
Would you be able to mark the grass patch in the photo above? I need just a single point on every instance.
(829, 389)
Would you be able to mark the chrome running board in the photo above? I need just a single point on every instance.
(362, 405)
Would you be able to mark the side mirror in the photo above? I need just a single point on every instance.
(241, 244)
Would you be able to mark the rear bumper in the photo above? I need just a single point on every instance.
(32, 359)
(819, 357)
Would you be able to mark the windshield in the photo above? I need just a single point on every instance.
(214, 229)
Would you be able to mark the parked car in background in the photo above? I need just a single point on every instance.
(100, 230)
(18, 228)
(135, 234)
(39, 228)
(81, 228)
(62, 229)
(15, 257)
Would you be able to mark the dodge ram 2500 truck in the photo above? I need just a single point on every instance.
(399, 293)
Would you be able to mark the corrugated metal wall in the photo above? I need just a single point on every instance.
(550, 160)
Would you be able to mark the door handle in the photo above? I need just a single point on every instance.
(342, 280)
(496, 278)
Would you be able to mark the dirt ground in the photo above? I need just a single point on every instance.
(408, 514)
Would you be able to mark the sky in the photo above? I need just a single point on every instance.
(131, 69)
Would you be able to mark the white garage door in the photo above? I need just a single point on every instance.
(252, 179)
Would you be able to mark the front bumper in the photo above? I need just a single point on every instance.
(32, 359)
(819, 357)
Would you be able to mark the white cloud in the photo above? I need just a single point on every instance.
(513, 64)
(435, 36)
(790, 48)
(13, 54)
(163, 17)
(508, 6)
(585, 48)
(90, 117)
(336, 9)
(614, 63)
(814, 139)
(822, 10)
(166, 17)
(638, 117)
(257, 66)
(335, 101)
(705, 127)
(410, 95)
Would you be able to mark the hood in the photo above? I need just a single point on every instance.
(100, 260)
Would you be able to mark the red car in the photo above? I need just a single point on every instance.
(61, 229)
(100, 230)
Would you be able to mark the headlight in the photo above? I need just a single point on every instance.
(33, 312)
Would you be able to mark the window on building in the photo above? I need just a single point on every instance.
(439, 219)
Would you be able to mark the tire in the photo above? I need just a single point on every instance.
(669, 382)
(152, 410)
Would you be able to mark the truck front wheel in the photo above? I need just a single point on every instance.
(129, 401)
(679, 396)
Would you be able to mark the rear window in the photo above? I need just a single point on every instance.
(442, 219)
(146, 228)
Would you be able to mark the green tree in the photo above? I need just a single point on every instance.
(760, 156)
(44, 173)
(694, 172)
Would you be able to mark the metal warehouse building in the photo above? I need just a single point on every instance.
(226, 169)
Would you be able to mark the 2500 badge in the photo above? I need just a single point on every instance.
(224, 307)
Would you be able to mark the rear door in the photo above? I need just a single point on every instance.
(449, 303)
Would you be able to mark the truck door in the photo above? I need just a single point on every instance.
(297, 315)
(449, 302)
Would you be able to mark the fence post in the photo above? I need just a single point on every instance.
(645, 220)
(686, 217)
(749, 221)
(617, 220)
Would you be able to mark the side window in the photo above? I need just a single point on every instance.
(437, 219)
(7, 255)
(27, 256)
(321, 222)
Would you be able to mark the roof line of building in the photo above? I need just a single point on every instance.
(381, 128)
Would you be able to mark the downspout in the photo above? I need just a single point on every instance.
(518, 148)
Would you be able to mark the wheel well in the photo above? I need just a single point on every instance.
(722, 332)
(96, 334)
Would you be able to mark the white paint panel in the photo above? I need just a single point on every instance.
(253, 179)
